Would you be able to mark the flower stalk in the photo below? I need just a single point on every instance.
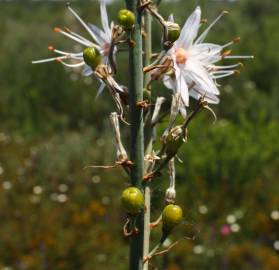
(148, 136)
(136, 121)
(186, 65)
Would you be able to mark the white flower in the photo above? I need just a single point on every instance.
(194, 62)
(101, 40)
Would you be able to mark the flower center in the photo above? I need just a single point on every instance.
(106, 49)
(180, 56)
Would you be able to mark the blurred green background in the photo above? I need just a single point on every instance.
(56, 215)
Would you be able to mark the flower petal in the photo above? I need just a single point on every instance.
(206, 53)
(203, 82)
(169, 82)
(100, 90)
(182, 88)
(82, 23)
(101, 36)
(207, 97)
(104, 18)
(171, 18)
(189, 30)
(183, 111)
(87, 71)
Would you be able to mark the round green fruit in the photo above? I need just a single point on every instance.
(92, 57)
(126, 18)
(132, 200)
(172, 215)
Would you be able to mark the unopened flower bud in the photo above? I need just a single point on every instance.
(126, 18)
(173, 31)
(174, 140)
(92, 57)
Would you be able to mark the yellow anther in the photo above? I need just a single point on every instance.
(51, 48)
(236, 72)
(57, 29)
(236, 40)
(226, 53)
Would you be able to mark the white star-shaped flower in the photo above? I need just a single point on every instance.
(194, 63)
(101, 40)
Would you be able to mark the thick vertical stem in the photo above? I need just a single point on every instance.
(136, 120)
(148, 138)
(147, 43)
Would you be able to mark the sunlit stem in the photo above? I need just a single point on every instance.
(148, 138)
(155, 249)
(136, 121)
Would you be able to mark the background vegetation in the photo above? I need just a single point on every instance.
(56, 215)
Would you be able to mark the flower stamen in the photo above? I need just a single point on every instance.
(83, 41)
(226, 53)
(234, 41)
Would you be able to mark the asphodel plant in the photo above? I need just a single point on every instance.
(185, 64)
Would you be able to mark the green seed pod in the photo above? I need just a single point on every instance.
(126, 18)
(174, 140)
(132, 200)
(92, 57)
(173, 31)
(172, 215)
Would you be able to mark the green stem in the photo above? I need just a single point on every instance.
(136, 120)
(147, 43)
(148, 137)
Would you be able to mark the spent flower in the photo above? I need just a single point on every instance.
(170, 194)
(120, 150)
